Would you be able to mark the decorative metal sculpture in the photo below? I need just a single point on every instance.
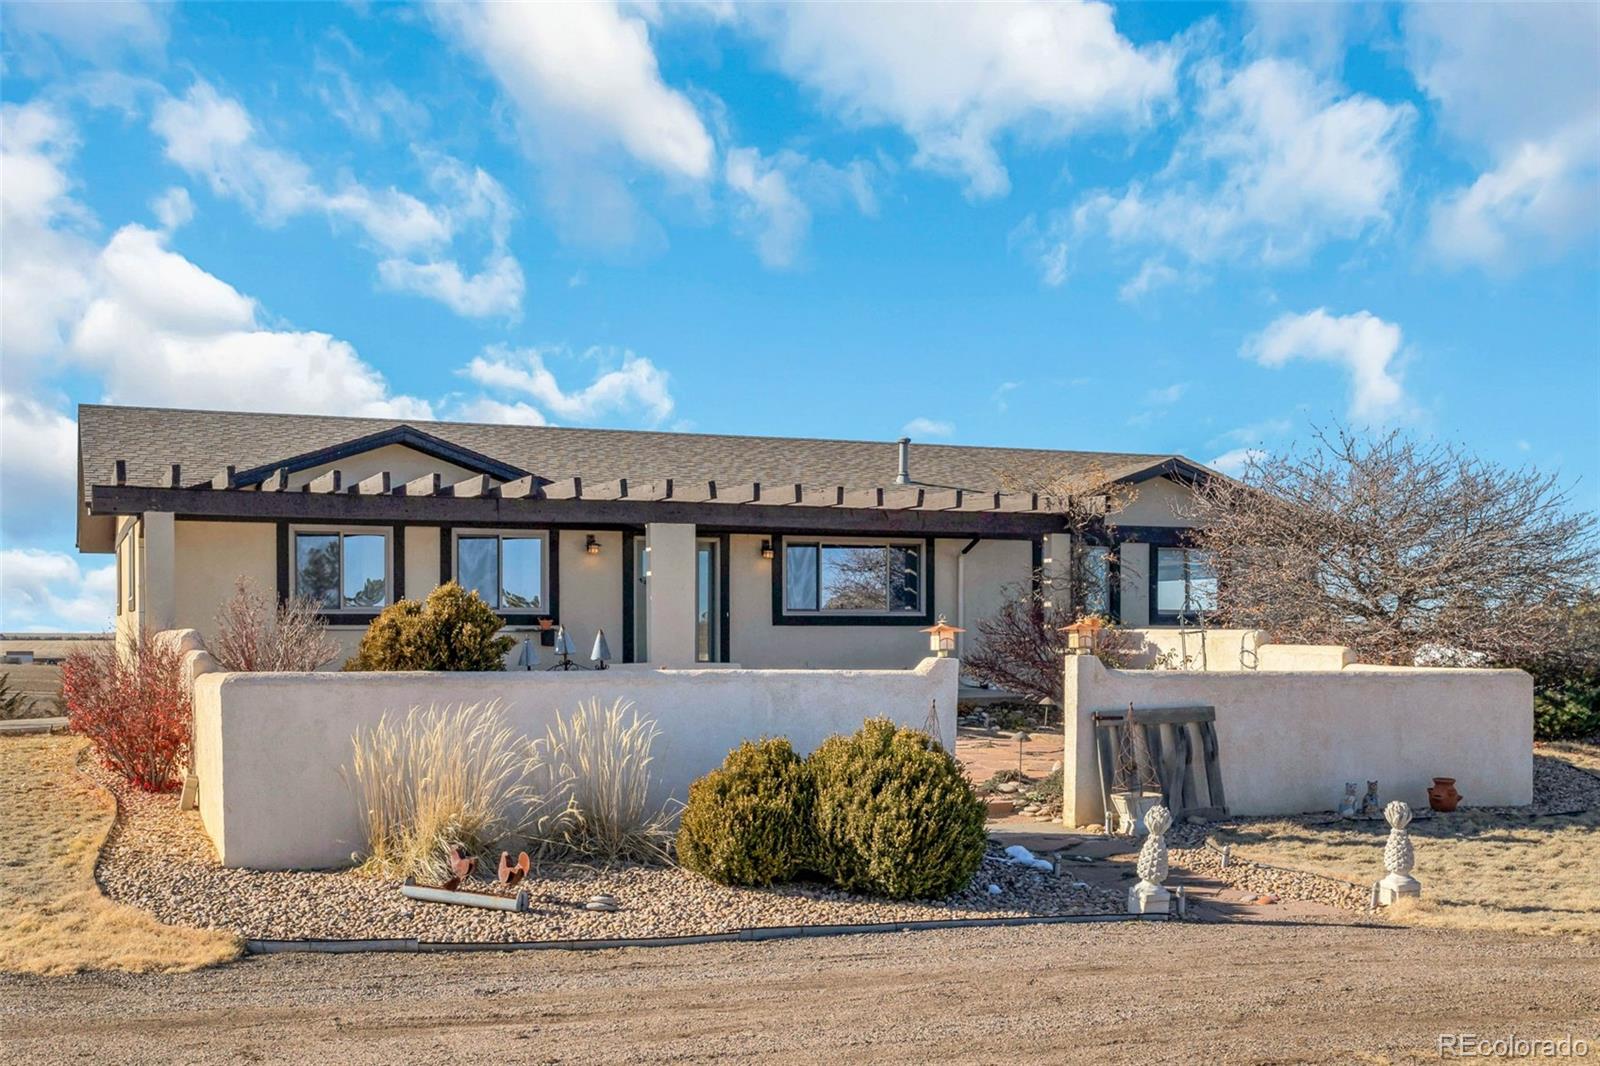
(601, 652)
(513, 872)
(1369, 802)
(565, 649)
(1150, 895)
(461, 867)
(1398, 857)
(528, 657)
(1347, 806)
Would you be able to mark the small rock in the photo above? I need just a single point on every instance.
(1009, 786)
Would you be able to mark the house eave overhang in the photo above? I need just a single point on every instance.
(505, 505)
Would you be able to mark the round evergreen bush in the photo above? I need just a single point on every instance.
(749, 823)
(894, 814)
(452, 629)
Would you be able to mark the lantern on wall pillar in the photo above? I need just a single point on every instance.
(1083, 635)
(942, 637)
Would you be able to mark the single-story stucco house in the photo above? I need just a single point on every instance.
(682, 547)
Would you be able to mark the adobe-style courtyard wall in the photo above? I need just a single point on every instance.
(269, 747)
(1289, 739)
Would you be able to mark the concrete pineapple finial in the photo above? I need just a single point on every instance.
(1398, 857)
(1150, 895)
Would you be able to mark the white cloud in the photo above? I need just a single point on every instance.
(1362, 344)
(592, 105)
(625, 384)
(214, 138)
(48, 590)
(43, 269)
(1152, 275)
(38, 466)
(1167, 395)
(1517, 87)
(585, 77)
(99, 32)
(959, 77)
(773, 197)
(927, 427)
(1277, 164)
(173, 208)
(161, 330)
(487, 409)
(1236, 461)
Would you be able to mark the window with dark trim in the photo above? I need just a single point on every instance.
(342, 569)
(1183, 586)
(1096, 563)
(853, 578)
(508, 570)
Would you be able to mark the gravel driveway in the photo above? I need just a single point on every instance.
(1146, 993)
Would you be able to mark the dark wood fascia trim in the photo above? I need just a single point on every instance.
(408, 436)
(283, 562)
(1114, 586)
(628, 592)
(1175, 469)
(594, 514)
(1036, 561)
(725, 596)
(397, 562)
(921, 618)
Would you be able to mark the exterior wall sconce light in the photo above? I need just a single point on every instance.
(1083, 635)
(592, 546)
(942, 638)
(766, 549)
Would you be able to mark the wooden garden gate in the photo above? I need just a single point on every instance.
(1181, 744)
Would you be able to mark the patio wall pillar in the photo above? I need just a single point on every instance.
(670, 592)
(1081, 802)
(158, 572)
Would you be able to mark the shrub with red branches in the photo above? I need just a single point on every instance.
(133, 706)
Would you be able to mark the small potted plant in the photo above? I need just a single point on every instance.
(1134, 786)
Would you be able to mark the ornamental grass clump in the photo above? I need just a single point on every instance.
(894, 814)
(446, 777)
(599, 759)
(452, 629)
(749, 822)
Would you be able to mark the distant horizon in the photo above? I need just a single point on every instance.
(1160, 230)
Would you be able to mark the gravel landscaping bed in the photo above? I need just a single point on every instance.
(160, 859)
(1563, 784)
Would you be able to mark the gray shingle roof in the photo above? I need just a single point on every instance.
(204, 442)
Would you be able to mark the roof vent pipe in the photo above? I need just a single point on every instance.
(904, 476)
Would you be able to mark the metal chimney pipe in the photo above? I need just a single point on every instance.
(904, 476)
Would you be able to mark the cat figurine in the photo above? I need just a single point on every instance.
(1347, 806)
(1370, 808)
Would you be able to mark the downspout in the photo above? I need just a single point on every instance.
(961, 595)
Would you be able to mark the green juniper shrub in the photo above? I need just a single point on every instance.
(895, 815)
(749, 822)
(452, 629)
(1566, 704)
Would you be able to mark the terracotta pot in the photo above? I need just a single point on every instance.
(1443, 795)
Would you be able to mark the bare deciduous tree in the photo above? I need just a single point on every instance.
(256, 635)
(1020, 647)
(1389, 546)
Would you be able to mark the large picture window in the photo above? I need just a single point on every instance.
(342, 570)
(506, 569)
(846, 578)
(1185, 586)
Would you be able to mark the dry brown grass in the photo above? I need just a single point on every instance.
(1480, 869)
(53, 822)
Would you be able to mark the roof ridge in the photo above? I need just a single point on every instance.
(399, 421)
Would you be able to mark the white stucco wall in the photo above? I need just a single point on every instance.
(211, 557)
(591, 590)
(1157, 502)
(269, 747)
(1289, 740)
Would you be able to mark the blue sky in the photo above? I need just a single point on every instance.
(1168, 228)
